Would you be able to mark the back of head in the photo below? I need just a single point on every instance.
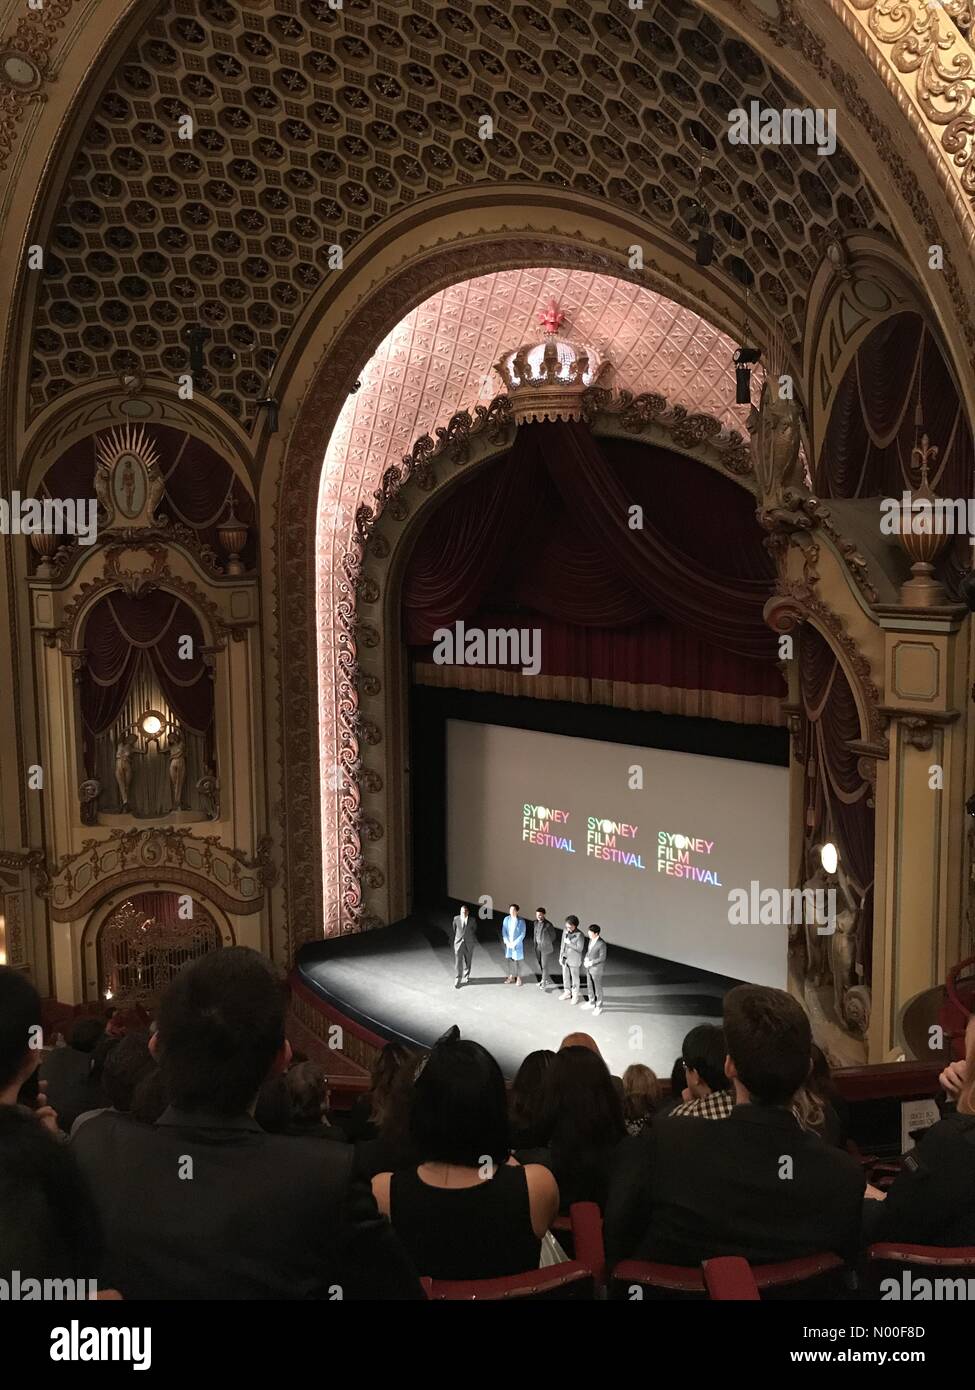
(128, 1060)
(581, 1107)
(87, 1034)
(306, 1084)
(48, 1227)
(526, 1091)
(641, 1091)
(580, 1040)
(221, 1024)
(769, 1041)
(20, 1012)
(459, 1112)
(704, 1050)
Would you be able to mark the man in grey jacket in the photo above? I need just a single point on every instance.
(544, 947)
(570, 958)
(465, 935)
(595, 960)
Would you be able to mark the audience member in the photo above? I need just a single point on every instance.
(48, 1224)
(392, 1147)
(149, 1098)
(641, 1097)
(307, 1088)
(525, 1099)
(364, 1119)
(68, 1074)
(760, 1186)
(126, 1061)
(467, 1210)
(21, 1041)
(581, 1124)
(932, 1200)
(711, 1096)
(264, 1216)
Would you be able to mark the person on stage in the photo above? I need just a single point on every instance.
(513, 932)
(594, 962)
(570, 958)
(544, 947)
(465, 935)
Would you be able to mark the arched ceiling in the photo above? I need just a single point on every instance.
(440, 358)
(312, 125)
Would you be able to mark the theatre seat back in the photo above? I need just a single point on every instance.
(570, 1280)
(814, 1276)
(894, 1260)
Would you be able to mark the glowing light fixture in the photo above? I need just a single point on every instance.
(151, 724)
(829, 857)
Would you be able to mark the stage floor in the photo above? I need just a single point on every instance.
(399, 982)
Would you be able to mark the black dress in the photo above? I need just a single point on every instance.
(479, 1232)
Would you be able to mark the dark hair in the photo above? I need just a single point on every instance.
(460, 1112)
(20, 1011)
(704, 1051)
(525, 1098)
(541, 910)
(769, 1041)
(678, 1079)
(126, 1063)
(87, 1033)
(221, 1024)
(306, 1085)
(48, 1224)
(581, 1107)
(395, 1060)
(596, 928)
(149, 1098)
(573, 920)
(515, 906)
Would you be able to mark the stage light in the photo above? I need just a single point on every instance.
(829, 857)
(107, 994)
(150, 724)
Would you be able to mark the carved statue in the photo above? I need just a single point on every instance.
(817, 966)
(775, 442)
(843, 950)
(124, 753)
(209, 788)
(177, 768)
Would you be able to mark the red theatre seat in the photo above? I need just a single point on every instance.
(893, 1259)
(813, 1276)
(730, 1279)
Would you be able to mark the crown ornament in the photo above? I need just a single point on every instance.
(547, 377)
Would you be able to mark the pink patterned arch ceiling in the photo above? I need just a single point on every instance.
(440, 360)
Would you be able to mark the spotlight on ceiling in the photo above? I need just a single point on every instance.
(744, 359)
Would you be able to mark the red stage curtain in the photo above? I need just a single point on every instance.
(546, 529)
(119, 630)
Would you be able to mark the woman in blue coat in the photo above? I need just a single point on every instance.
(513, 930)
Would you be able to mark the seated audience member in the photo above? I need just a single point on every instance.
(262, 1215)
(818, 1105)
(467, 1210)
(307, 1088)
(581, 1125)
(761, 1186)
(68, 1075)
(149, 1098)
(48, 1225)
(711, 1093)
(586, 1040)
(392, 1148)
(273, 1109)
(126, 1061)
(641, 1097)
(932, 1200)
(361, 1122)
(20, 1047)
(525, 1099)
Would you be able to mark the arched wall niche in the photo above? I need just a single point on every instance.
(102, 913)
(365, 792)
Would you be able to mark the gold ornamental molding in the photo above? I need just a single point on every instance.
(25, 55)
(144, 857)
(686, 429)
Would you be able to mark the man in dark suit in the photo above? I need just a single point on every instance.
(66, 1073)
(465, 938)
(544, 938)
(754, 1184)
(204, 1204)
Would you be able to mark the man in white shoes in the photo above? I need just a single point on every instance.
(570, 958)
(594, 961)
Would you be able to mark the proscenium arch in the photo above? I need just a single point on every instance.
(375, 632)
(425, 259)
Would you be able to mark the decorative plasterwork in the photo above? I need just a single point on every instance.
(146, 856)
(24, 66)
(795, 602)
